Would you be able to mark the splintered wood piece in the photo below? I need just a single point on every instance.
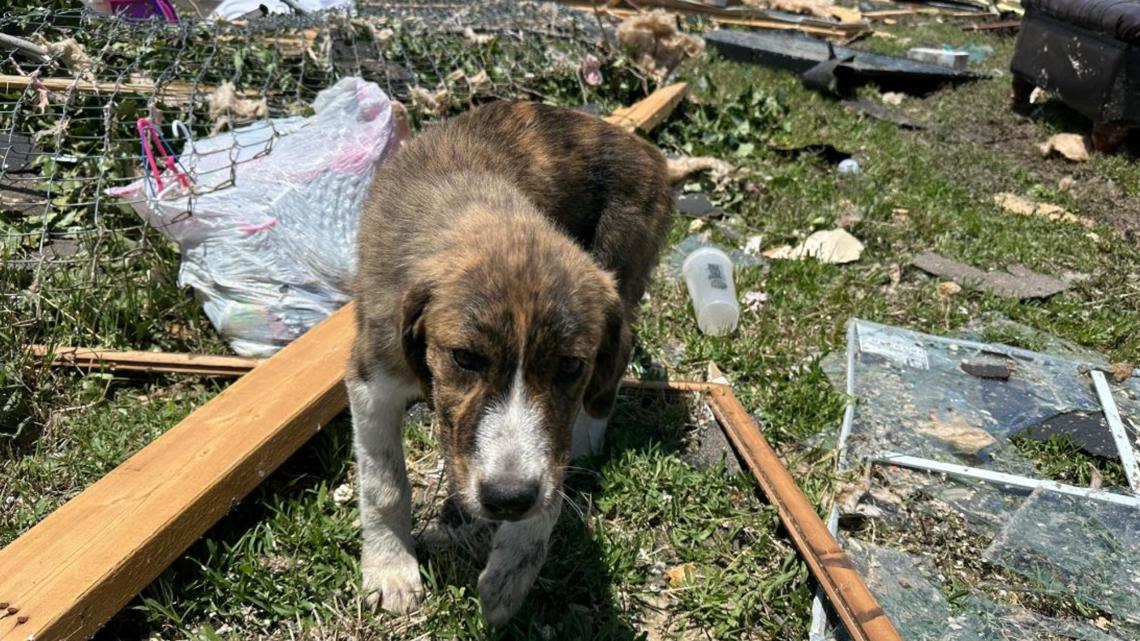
(146, 362)
(81, 564)
(651, 111)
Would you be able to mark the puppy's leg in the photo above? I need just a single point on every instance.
(517, 554)
(388, 561)
(589, 434)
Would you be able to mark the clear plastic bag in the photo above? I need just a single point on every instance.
(267, 229)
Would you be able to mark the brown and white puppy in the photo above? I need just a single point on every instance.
(503, 255)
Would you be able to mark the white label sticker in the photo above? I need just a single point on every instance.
(899, 350)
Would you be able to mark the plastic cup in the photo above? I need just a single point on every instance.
(708, 275)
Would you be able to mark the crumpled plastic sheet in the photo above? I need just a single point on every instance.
(268, 231)
(234, 9)
(1089, 549)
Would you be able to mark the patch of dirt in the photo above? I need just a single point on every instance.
(976, 119)
(1105, 201)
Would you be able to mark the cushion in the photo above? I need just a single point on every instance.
(1119, 19)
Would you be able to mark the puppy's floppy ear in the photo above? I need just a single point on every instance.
(611, 361)
(413, 331)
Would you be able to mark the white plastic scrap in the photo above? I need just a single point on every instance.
(234, 9)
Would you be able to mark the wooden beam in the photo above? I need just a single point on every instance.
(292, 44)
(145, 362)
(840, 30)
(10, 84)
(72, 571)
(886, 14)
(1001, 25)
(651, 111)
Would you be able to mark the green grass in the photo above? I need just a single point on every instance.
(283, 563)
(1061, 459)
(96, 423)
(289, 553)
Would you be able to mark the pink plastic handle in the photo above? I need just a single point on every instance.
(151, 138)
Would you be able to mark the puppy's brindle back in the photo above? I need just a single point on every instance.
(606, 188)
(438, 207)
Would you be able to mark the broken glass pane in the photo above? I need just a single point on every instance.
(987, 620)
(905, 588)
(985, 507)
(909, 591)
(957, 401)
(996, 328)
(1068, 545)
(960, 401)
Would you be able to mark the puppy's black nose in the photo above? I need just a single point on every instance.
(508, 500)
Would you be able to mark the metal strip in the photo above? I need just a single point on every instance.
(1014, 480)
(1111, 414)
(818, 631)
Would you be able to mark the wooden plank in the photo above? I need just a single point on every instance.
(651, 111)
(70, 573)
(1001, 25)
(292, 44)
(145, 362)
(11, 84)
(886, 14)
(180, 91)
(879, 14)
(758, 19)
(838, 31)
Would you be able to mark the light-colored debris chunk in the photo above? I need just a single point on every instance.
(835, 246)
(1074, 147)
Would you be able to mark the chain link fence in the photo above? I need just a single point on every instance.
(78, 266)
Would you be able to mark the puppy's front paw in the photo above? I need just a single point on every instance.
(502, 593)
(393, 584)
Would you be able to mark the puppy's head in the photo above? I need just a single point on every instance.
(508, 334)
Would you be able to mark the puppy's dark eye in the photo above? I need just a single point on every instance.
(468, 360)
(569, 369)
